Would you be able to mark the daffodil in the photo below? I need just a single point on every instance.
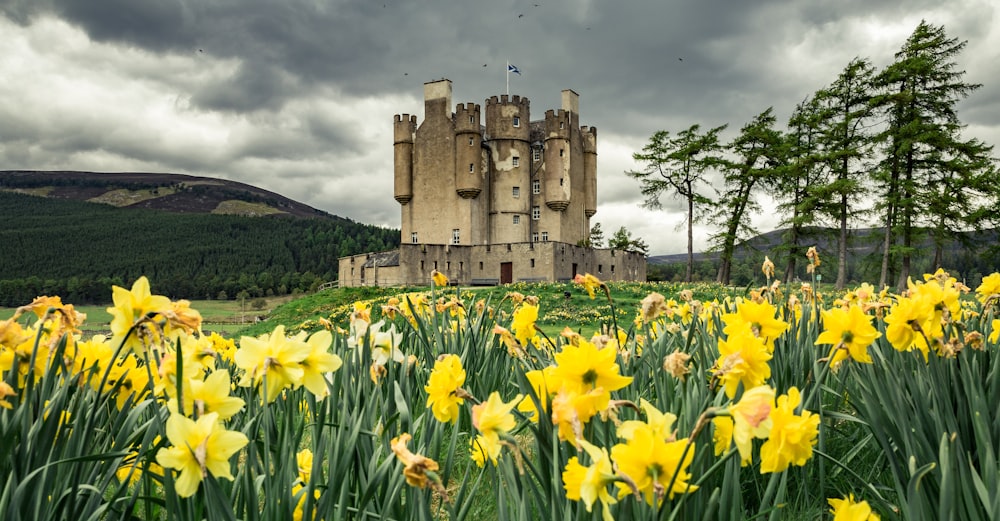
(523, 324)
(5, 391)
(589, 283)
(748, 419)
(582, 368)
(659, 423)
(652, 306)
(131, 307)
(849, 510)
(994, 331)
(445, 379)
(199, 448)
(910, 323)
(760, 317)
(272, 359)
(792, 435)
(210, 395)
(493, 417)
(420, 471)
(850, 332)
(590, 484)
(541, 384)
(989, 290)
(440, 279)
(318, 363)
(743, 359)
(651, 463)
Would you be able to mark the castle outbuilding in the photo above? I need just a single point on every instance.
(492, 202)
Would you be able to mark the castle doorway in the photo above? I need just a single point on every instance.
(506, 272)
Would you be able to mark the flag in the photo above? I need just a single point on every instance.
(511, 68)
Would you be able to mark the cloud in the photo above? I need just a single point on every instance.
(298, 96)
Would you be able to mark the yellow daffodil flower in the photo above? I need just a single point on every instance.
(271, 358)
(198, 449)
(742, 359)
(849, 510)
(850, 332)
(590, 484)
(445, 379)
(792, 435)
(651, 463)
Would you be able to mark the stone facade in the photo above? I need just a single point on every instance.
(492, 202)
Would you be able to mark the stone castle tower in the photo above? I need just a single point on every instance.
(512, 180)
(492, 199)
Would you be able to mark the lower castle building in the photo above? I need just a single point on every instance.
(505, 201)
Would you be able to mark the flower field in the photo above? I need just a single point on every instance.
(775, 404)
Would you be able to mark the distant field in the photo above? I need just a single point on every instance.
(226, 317)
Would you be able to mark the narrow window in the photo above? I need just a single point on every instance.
(515, 161)
(536, 212)
(517, 121)
(480, 265)
(560, 181)
(517, 219)
(600, 268)
(536, 155)
(447, 266)
(532, 263)
(413, 237)
(536, 187)
(562, 125)
(421, 265)
(516, 192)
(545, 236)
(472, 167)
(534, 236)
(561, 152)
(612, 268)
(472, 119)
(455, 236)
(472, 141)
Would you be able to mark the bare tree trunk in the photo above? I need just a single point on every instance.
(842, 245)
(886, 246)
(690, 265)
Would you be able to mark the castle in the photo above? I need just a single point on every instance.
(505, 202)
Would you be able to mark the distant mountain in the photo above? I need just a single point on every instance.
(177, 193)
(861, 242)
(968, 255)
(75, 234)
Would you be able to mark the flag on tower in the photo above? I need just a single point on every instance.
(512, 68)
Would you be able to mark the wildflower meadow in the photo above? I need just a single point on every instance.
(774, 403)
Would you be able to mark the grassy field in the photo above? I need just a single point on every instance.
(226, 317)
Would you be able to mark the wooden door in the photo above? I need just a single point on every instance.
(506, 272)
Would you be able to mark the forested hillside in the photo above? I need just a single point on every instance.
(78, 250)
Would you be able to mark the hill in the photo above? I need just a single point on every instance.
(77, 233)
(969, 255)
(177, 193)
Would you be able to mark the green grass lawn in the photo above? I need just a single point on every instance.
(226, 317)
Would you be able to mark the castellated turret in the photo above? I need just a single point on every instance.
(508, 131)
(469, 171)
(558, 159)
(402, 147)
(589, 136)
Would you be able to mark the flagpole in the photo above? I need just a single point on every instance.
(507, 68)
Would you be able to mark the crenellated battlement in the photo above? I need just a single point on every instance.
(467, 118)
(505, 99)
(403, 128)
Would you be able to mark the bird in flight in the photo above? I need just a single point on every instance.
(520, 15)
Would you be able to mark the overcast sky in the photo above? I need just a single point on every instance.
(298, 96)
